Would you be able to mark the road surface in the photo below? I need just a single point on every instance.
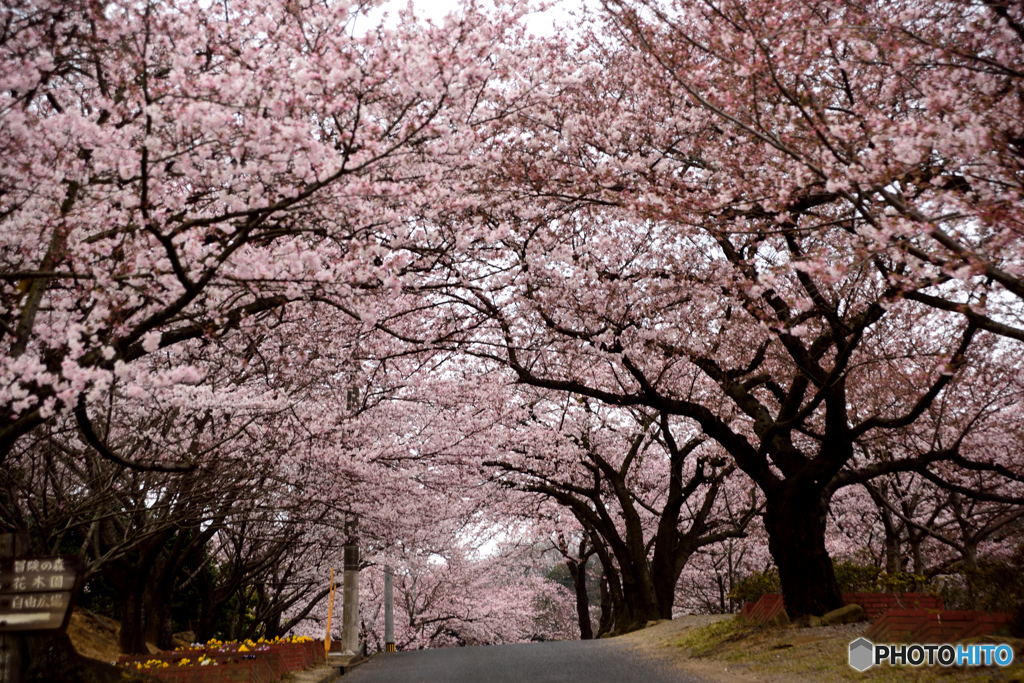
(591, 661)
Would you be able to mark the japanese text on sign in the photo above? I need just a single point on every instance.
(38, 601)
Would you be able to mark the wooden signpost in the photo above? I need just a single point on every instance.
(36, 594)
(330, 611)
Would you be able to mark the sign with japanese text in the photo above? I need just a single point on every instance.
(36, 594)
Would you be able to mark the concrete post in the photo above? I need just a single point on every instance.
(389, 612)
(350, 614)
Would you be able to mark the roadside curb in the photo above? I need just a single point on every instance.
(343, 665)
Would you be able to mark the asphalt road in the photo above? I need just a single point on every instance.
(593, 661)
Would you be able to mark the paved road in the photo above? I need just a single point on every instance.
(593, 661)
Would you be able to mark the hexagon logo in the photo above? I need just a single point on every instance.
(862, 654)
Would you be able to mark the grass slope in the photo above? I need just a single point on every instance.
(728, 650)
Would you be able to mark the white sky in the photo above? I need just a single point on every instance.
(541, 23)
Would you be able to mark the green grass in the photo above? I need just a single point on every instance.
(705, 640)
(782, 652)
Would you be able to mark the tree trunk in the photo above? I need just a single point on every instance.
(665, 571)
(237, 628)
(272, 626)
(732, 576)
(639, 598)
(578, 571)
(159, 624)
(159, 595)
(605, 623)
(969, 569)
(916, 541)
(893, 557)
(795, 521)
(132, 639)
(612, 600)
(892, 554)
(634, 616)
(630, 608)
(665, 589)
(208, 608)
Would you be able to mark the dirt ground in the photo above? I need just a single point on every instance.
(95, 636)
(721, 649)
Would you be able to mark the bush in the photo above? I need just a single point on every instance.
(856, 578)
(751, 588)
(993, 586)
(868, 578)
(851, 577)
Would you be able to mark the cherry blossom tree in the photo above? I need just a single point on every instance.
(453, 600)
(176, 168)
(577, 552)
(902, 116)
(644, 504)
(707, 582)
(263, 272)
(657, 236)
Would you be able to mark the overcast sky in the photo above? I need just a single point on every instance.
(539, 23)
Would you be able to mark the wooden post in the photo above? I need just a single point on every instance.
(37, 597)
(10, 657)
(12, 668)
(330, 612)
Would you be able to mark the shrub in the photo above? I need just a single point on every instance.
(851, 577)
(856, 578)
(752, 587)
(992, 586)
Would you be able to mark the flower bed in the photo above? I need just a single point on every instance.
(216, 662)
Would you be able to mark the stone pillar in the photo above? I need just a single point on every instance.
(389, 612)
(350, 614)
